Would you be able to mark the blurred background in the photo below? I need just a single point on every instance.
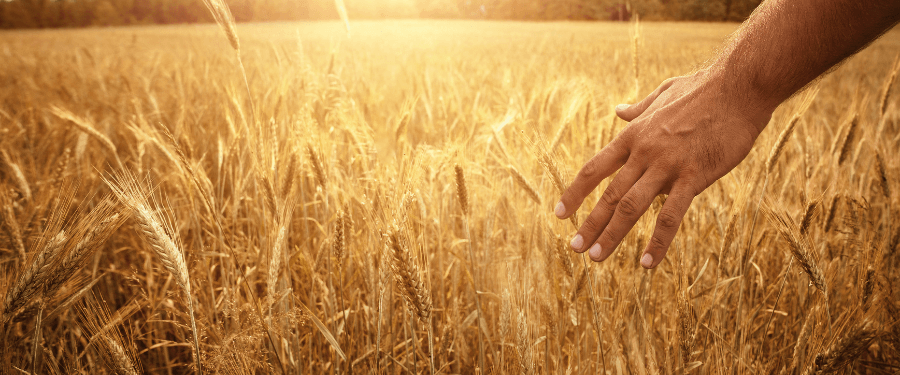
(82, 13)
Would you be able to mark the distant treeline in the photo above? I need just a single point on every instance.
(80, 13)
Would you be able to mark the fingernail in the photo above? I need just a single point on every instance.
(560, 210)
(595, 252)
(647, 260)
(621, 107)
(577, 242)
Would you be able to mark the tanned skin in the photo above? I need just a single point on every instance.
(694, 129)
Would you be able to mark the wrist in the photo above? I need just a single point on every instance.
(740, 97)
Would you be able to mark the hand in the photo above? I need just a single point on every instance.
(683, 137)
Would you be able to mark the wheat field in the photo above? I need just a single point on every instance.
(380, 202)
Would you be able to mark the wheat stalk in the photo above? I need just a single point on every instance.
(462, 194)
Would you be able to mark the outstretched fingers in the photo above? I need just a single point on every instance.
(627, 212)
(607, 161)
(597, 221)
(667, 224)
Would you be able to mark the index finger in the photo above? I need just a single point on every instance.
(603, 164)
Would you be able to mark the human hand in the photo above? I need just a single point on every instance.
(684, 136)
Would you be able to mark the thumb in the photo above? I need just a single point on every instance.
(630, 112)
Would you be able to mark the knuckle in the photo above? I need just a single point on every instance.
(589, 170)
(668, 220)
(608, 240)
(610, 198)
(591, 224)
(628, 207)
(657, 243)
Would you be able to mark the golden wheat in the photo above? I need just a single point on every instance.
(442, 141)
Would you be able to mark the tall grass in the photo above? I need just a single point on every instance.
(382, 204)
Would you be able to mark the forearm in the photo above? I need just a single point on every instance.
(788, 43)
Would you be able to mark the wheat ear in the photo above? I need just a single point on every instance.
(798, 245)
(159, 234)
(779, 145)
(524, 184)
(84, 126)
(408, 279)
(808, 214)
(34, 278)
(462, 194)
(843, 351)
(801, 343)
(120, 359)
(275, 257)
(848, 140)
(318, 169)
(11, 226)
(18, 176)
(462, 191)
(887, 87)
(882, 176)
(98, 226)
